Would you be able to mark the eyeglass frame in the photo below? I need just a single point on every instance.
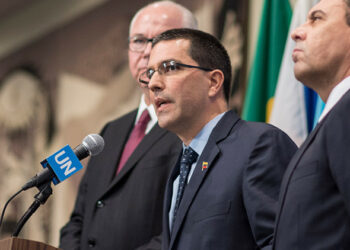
(146, 41)
(175, 63)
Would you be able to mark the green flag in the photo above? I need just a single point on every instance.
(263, 76)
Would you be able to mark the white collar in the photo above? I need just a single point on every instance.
(336, 94)
(151, 112)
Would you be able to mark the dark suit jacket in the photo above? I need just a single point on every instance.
(231, 204)
(314, 210)
(126, 211)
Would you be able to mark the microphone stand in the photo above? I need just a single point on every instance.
(45, 191)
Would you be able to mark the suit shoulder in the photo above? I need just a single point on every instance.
(261, 131)
(260, 127)
(124, 118)
(119, 122)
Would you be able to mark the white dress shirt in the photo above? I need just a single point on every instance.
(335, 95)
(151, 112)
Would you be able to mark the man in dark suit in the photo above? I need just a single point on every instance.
(314, 206)
(223, 191)
(119, 204)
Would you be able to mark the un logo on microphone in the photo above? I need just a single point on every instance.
(64, 163)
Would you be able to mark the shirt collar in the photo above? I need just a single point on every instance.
(201, 139)
(335, 95)
(151, 112)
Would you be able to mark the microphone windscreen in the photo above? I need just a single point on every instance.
(94, 143)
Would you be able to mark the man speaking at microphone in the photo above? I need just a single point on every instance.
(120, 199)
(222, 193)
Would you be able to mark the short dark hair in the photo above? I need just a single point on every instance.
(347, 3)
(347, 15)
(205, 49)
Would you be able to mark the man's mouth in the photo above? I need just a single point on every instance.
(161, 103)
(294, 54)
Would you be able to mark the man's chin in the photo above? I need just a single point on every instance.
(298, 72)
(163, 122)
(304, 77)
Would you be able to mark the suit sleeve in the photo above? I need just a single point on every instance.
(261, 182)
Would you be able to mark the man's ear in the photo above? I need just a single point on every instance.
(216, 82)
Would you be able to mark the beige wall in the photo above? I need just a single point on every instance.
(255, 8)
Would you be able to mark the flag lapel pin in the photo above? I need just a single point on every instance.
(204, 165)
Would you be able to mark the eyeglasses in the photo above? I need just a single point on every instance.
(166, 68)
(138, 43)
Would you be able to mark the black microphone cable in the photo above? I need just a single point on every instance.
(8, 202)
(91, 145)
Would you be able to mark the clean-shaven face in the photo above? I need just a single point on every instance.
(322, 51)
(152, 21)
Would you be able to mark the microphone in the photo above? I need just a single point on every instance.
(66, 162)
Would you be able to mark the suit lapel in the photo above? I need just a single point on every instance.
(191, 191)
(295, 160)
(209, 155)
(167, 201)
(292, 166)
(145, 145)
(113, 150)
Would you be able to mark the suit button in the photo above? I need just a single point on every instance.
(91, 243)
(100, 204)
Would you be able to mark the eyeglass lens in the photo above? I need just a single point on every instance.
(166, 67)
(138, 43)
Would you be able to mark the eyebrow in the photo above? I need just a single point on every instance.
(138, 34)
(171, 59)
(315, 12)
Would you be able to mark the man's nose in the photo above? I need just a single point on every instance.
(156, 84)
(147, 50)
(298, 34)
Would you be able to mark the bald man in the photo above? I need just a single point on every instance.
(120, 199)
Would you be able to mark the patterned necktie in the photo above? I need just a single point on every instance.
(189, 156)
(135, 137)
